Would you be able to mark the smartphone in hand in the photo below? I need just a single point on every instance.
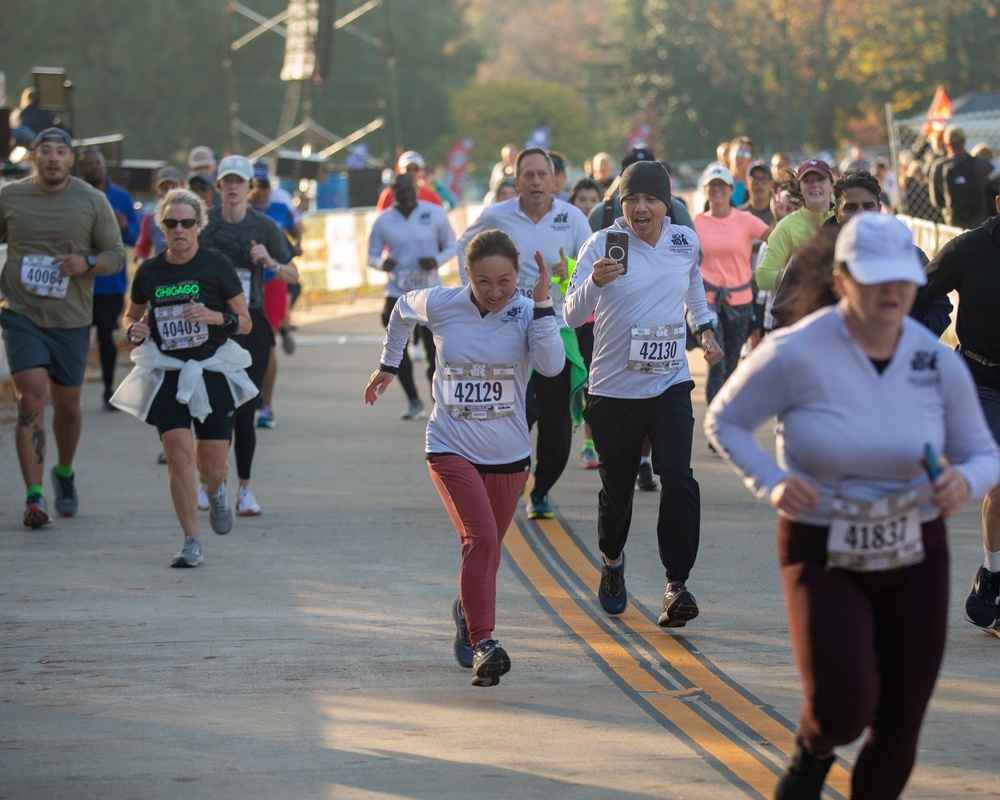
(616, 248)
(930, 463)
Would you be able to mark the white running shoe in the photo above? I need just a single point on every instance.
(202, 499)
(246, 503)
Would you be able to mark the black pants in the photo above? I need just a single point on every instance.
(868, 646)
(619, 427)
(405, 373)
(547, 403)
(258, 343)
(106, 315)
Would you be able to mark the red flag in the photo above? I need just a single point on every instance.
(638, 137)
(456, 163)
(938, 113)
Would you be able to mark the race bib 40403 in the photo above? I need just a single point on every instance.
(875, 535)
(657, 349)
(177, 333)
(40, 276)
(479, 391)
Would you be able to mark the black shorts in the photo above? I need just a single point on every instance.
(989, 399)
(60, 351)
(167, 414)
(108, 310)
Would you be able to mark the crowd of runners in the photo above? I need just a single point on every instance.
(578, 306)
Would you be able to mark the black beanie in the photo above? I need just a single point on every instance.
(645, 177)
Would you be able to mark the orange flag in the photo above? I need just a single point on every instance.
(938, 113)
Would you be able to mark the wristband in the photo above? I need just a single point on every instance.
(128, 335)
(230, 321)
(708, 326)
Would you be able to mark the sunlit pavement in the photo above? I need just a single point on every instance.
(310, 656)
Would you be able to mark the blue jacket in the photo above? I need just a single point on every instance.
(121, 201)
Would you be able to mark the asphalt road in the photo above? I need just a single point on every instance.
(311, 655)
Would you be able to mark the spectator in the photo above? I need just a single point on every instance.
(959, 183)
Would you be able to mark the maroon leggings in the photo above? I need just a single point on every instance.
(868, 647)
(481, 506)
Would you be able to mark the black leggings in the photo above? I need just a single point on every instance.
(547, 404)
(107, 309)
(868, 646)
(258, 343)
(405, 373)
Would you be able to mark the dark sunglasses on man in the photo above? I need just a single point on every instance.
(187, 224)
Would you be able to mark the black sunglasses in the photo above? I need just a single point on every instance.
(173, 223)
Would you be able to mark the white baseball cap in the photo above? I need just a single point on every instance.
(236, 165)
(878, 248)
(717, 172)
(410, 157)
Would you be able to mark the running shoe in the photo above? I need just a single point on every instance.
(415, 410)
(202, 499)
(287, 341)
(463, 647)
(612, 594)
(982, 606)
(161, 458)
(588, 458)
(107, 401)
(220, 513)
(36, 512)
(804, 776)
(679, 606)
(67, 503)
(190, 554)
(489, 662)
(539, 508)
(265, 417)
(246, 503)
(645, 480)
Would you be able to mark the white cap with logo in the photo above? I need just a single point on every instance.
(236, 165)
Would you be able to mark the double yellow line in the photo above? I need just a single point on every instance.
(748, 746)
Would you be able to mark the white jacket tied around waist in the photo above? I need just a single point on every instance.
(136, 393)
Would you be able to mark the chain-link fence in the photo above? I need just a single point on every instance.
(917, 146)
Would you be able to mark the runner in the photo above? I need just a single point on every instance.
(640, 385)
(251, 241)
(478, 451)
(60, 233)
(866, 401)
(410, 241)
(536, 220)
(183, 306)
(811, 186)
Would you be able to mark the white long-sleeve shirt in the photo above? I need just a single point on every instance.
(639, 314)
(426, 233)
(482, 369)
(845, 427)
(564, 226)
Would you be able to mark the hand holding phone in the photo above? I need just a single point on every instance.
(930, 463)
(616, 248)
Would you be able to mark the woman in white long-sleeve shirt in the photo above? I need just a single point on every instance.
(640, 384)
(488, 338)
(865, 398)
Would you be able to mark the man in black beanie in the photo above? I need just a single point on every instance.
(640, 384)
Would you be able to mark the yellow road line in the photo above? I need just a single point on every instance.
(748, 768)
